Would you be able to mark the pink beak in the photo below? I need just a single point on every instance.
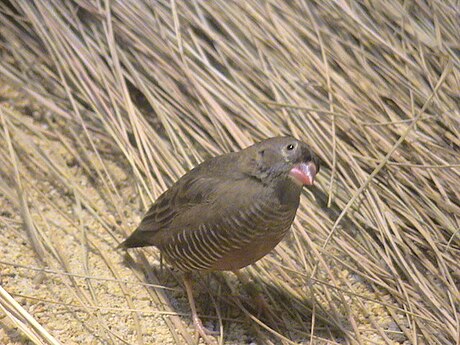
(304, 173)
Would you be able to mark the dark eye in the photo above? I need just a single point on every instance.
(290, 147)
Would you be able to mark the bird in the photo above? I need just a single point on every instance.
(229, 211)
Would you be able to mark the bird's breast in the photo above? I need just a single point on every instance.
(256, 234)
(234, 241)
(248, 253)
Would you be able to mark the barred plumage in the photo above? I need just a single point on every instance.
(208, 245)
(229, 211)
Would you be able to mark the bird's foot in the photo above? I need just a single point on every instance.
(264, 309)
(204, 332)
(200, 329)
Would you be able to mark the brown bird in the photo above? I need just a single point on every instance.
(229, 211)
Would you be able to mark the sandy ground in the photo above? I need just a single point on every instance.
(56, 300)
(73, 292)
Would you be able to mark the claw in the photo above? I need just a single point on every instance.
(204, 332)
(262, 307)
(201, 331)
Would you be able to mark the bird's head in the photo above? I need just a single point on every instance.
(283, 157)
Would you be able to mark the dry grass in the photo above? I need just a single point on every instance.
(117, 99)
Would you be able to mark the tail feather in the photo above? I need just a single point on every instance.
(134, 241)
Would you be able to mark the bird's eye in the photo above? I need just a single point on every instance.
(290, 147)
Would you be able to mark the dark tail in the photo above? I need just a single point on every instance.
(135, 240)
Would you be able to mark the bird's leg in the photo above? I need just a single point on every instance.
(261, 304)
(202, 331)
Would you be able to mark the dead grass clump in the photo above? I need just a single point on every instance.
(104, 104)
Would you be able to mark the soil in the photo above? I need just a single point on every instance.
(83, 290)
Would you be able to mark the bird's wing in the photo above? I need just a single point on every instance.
(223, 205)
(191, 195)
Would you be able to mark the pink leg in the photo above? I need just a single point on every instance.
(202, 331)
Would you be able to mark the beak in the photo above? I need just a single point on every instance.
(304, 173)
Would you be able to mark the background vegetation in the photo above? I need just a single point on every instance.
(103, 104)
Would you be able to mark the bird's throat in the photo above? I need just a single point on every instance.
(288, 193)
